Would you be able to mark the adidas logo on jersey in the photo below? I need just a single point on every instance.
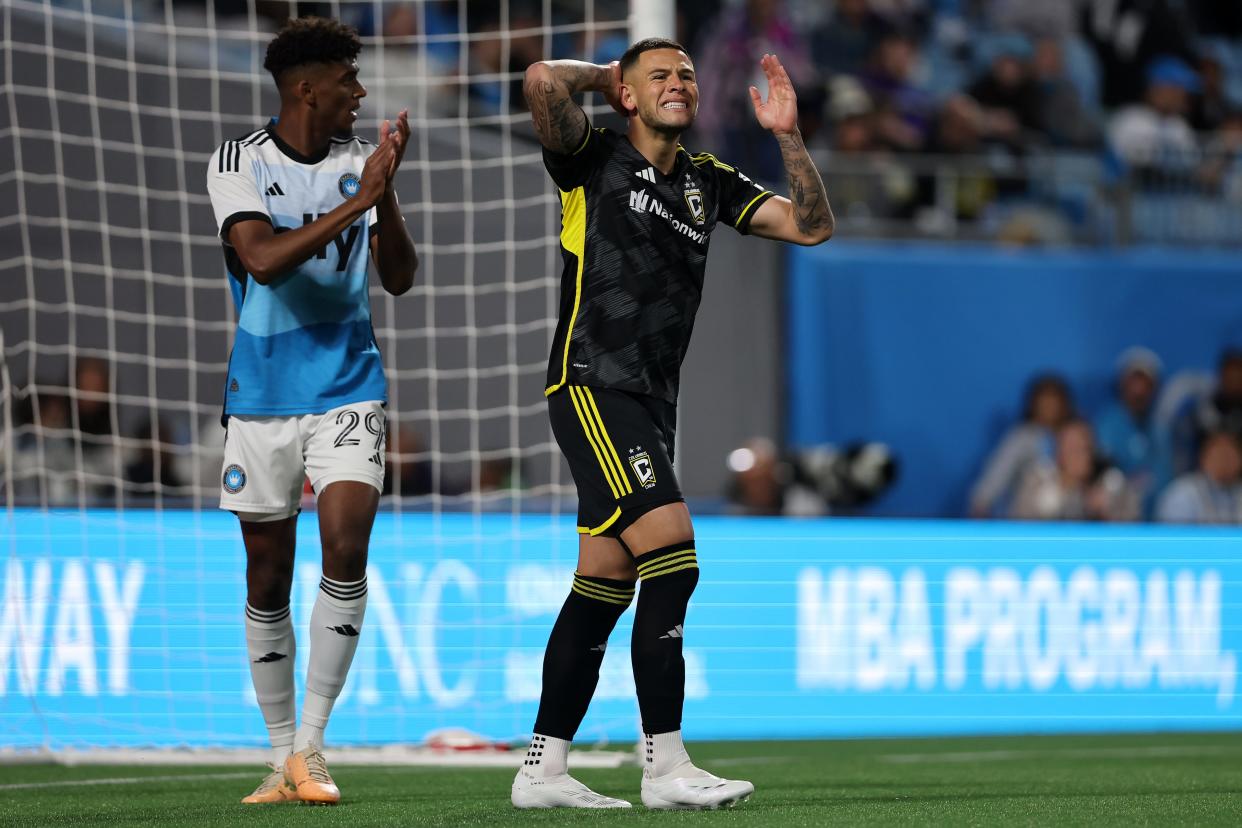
(647, 174)
(275, 189)
(642, 202)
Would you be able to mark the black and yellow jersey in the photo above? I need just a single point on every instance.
(634, 241)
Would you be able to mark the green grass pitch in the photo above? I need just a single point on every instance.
(1161, 779)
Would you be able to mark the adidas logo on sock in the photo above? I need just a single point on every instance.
(675, 632)
(269, 658)
(275, 189)
(345, 629)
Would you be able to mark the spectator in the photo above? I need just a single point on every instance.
(407, 472)
(1061, 114)
(1222, 168)
(1080, 485)
(1048, 406)
(1007, 94)
(1211, 495)
(846, 40)
(905, 112)
(728, 63)
(1128, 433)
(1153, 137)
(1222, 410)
(871, 184)
(91, 399)
(1127, 36)
(500, 474)
(154, 467)
(66, 471)
(490, 94)
(1211, 106)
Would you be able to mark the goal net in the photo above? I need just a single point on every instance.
(121, 582)
(113, 301)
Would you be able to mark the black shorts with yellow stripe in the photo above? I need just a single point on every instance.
(620, 451)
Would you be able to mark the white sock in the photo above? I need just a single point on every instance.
(271, 647)
(547, 756)
(336, 622)
(665, 753)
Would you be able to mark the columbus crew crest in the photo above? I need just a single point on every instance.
(694, 200)
(643, 470)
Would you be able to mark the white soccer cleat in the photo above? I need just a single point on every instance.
(692, 789)
(560, 791)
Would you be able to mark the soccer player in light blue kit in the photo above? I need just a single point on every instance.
(299, 204)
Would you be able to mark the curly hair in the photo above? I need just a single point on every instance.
(306, 40)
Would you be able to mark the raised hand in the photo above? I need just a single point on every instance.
(780, 113)
(377, 172)
(398, 133)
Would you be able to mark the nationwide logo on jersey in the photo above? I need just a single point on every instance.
(643, 470)
(234, 479)
(349, 185)
(642, 202)
(694, 200)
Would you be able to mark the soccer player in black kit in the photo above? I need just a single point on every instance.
(637, 211)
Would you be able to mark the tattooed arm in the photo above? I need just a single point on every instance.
(549, 86)
(805, 217)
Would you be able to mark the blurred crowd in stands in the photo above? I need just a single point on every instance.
(1166, 452)
(1061, 121)
(68, 451)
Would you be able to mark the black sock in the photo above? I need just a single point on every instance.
(575, 651)
(668, 576)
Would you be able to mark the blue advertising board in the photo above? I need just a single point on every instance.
(125, 629)
(929, 348)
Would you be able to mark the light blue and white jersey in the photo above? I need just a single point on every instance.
(304, 341)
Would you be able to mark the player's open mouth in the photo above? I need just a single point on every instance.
(675, 105)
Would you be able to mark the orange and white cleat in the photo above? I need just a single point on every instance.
(307, 772)
(272, 789)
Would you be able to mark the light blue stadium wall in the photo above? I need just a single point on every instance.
(127, 629)
(929, 348)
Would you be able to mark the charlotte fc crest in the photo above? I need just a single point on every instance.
(234, 479)
(349, 185)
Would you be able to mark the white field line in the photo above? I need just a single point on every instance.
(130, 780)
(1155, 751)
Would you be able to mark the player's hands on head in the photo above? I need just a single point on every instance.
(780, 113)
(612, 93)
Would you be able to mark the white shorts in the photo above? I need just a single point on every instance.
(266, 459)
